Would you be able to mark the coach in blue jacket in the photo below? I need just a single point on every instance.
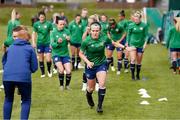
(18, 63)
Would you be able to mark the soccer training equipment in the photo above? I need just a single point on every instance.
(113, 69)
(84, 87)
(54, 71)
(50, 74)
(2, 87)
(42, 76)
(118, 72)
(61, 88)
(126, 71)
(67, 88)
(89, 99)
(99, 109)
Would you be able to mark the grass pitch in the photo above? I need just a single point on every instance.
(122, 100)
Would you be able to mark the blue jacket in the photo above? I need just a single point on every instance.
(19, 62)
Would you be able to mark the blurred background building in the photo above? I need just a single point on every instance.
(169, 4)
(29, 2)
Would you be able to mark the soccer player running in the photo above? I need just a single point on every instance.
(60, 53)
(137, 40)
(41, 40)
(173, 43)
(124, 23)
(116, 33)
(19, 61)
(92, 51)
(53, 21)
(105, 26)
(91, 19)
(76, 29)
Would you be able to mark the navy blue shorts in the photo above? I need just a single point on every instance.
(139, 50)
(43, 49)
(123, 41)
(174, 49)
(91, 72)
(64, 60)
(112, 47)
(76, 45)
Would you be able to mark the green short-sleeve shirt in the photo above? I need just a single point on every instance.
(117, 32)
(173, 39)
(95, 49)
(137, 34)
(84, 21)
(76, 31)
(124, 23)
(43, 32)
(59, 49)
(104, 27)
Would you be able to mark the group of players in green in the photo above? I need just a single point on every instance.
(89, 37)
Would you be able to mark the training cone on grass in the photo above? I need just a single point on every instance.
(162, 99)
(145, 96)
(144, 102)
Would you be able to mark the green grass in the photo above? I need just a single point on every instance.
(27, 13)
(122, 100)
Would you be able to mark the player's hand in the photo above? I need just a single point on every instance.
(114, 43)
(60, 40)
(90, 64)
(34, 45)
(68, 38)
(144, 47)
(88, 29)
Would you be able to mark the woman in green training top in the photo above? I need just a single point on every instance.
(124, 23)
(173, 43)
(92, 51)
(60, 53)
(91, 19)
(41, 40)
(137, 39)
(76, 29)
(104, 23)
(13, 23)
(53, 21)
(84, 16)
(117, 34)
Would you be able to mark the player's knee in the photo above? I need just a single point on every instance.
(91, 89)
(132, 61)
(102, 86)
(61, 71)
(68, 71)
